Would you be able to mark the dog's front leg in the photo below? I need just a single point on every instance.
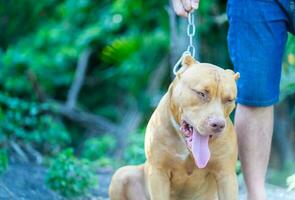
(158, 183)
(227, 186)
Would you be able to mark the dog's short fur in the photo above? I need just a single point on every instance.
(202, 96)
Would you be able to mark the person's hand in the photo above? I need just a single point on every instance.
(183, 7)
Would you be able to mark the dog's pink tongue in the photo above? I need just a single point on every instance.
(200, 149)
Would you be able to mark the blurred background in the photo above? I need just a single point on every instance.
(79, 80)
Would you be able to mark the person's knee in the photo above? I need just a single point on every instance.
(253, 112)
(254, 108)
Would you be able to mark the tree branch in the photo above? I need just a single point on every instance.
(220, 19)
(85, 118)
(2, 185)
(79, 78)
(19, 151)
(34, 153)
(133, 117)
(157, 76)
(130, 123)
(69, 110)
(41, 95)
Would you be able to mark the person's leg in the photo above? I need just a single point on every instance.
(256, 39)
(254, 127)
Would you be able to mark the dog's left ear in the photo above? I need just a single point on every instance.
(187, 61)
(236, 75)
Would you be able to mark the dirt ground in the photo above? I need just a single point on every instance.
(26, 182)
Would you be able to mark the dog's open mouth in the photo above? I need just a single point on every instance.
(198, 144)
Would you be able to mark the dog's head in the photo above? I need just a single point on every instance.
(202, 97)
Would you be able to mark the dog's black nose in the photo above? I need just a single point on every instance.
(216, 124)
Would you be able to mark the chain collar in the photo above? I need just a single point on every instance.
(191, 30)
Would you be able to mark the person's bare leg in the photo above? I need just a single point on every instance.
(254, 127)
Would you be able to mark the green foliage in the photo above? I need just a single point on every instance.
(17, 24)
(3, 160)
(291, 182)
(122, 34)
(99, 149)
(127, 44)
(30, 122)
(238, 167)
(288, 77)
(120, 49)
(279, 176)
(134, 153)
(70, 176)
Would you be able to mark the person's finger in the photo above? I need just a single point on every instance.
(195, 4)
(178, 8)
(187, 5)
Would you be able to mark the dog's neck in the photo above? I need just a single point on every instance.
(175, 125)
(185, 156)
(173, 119)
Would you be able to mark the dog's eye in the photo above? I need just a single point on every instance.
(229, 100)
(200, 94)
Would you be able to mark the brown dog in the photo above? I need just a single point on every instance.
(190, 143)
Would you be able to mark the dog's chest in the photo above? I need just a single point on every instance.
(187, 185)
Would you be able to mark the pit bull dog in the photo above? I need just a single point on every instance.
(190, 143)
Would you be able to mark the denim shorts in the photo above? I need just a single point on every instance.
(256, 40)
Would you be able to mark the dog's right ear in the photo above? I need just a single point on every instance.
(187, 61)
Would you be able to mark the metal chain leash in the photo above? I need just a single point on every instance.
(191, 30)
